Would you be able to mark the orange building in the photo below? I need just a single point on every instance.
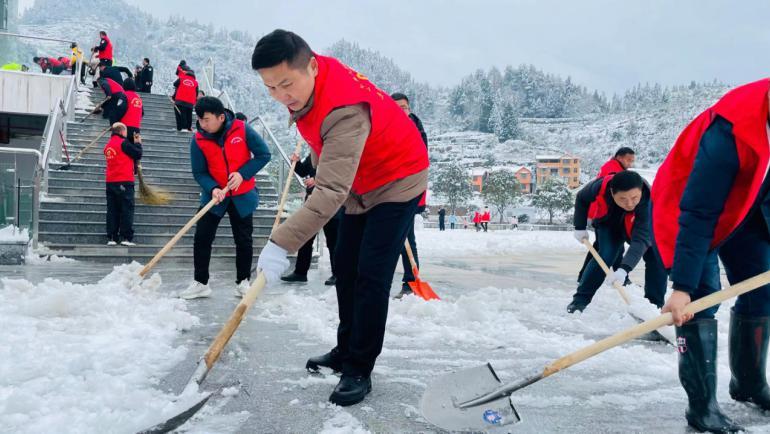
(566, 167)
(522, 174)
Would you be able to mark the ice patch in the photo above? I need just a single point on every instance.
(342, 422)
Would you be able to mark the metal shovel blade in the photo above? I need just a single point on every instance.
(440, 403)
(178, 420)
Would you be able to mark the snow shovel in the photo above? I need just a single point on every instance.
(96, 109)
(215, 349)
(419, 287)
(476, 400)
(636, 309)
(172, 242)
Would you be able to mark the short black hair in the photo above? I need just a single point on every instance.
(147, 59)
(129, 84)
(241, 116)
(73, 45)
(281, 46)
(182, 62)
(103, 33)
(399, 96)
(624, 151)
(626, 180)
(209, 104)
(35, 59)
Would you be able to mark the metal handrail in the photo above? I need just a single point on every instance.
(19, 35)
(36, 187)
(278, 146)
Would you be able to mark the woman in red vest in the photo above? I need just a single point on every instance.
(618, 206)
(121, 156)
(485, 219)
(710, 203)
(375, 164)
(477, 220)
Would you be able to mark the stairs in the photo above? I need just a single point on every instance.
(72, 223)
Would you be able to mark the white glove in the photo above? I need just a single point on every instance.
(580, 235)
(618, 275)
(272, 262)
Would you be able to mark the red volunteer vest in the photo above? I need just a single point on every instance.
(476, 217)
(120, 167)
(394, 149)
(599, 208)
(610, 168)
(133, 116)
(224, 160)
(187, 90)
(107, 52)
(486, 217)
(54, 62)
(114, 86)
(746, 108)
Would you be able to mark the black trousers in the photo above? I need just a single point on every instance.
(408, 274)
(115, 108)
(147, 89)
(106, 62)
(441, 225)
(183, 117)
(206, 231)
(366, 256)
(120, 211)
(305, 253)
(82, 71)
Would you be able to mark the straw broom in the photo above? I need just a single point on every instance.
(151, 195)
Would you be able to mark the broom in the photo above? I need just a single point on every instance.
(150, 195)
(147, 194)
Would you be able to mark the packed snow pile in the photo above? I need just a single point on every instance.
(88, 358)
(462, 242)
(12, 234)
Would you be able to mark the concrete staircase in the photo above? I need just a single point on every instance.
(73, 224)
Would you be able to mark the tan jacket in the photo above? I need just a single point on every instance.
(344, 133)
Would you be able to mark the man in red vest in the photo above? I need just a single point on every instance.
(623, 160)
(185, 96)
(485, 218)
(372, 161)
(104, 49)
(225, 152)
(710, 203)
(121, 155)
(477, 220)
(115, 104)
(618, 206)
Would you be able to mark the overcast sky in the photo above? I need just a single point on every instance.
(609, 45)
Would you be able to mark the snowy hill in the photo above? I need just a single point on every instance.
(524, 106)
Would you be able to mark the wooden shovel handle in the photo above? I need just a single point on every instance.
(88, 146)
(172, 242)
(219, 343)
(286, 187)
(409, 253)
(606, 269)
(656, 323)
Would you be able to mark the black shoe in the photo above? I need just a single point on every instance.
(331, 281)
(748, 358)
(329, 360)
(351, 390)
(627, 281)
(578, 306)
(405, 290)
(697, 345)
(294, 277)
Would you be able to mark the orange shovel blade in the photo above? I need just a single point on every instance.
(422, 288)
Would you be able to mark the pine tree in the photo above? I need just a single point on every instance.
(501, 190)
(553, 196)
(452, 182)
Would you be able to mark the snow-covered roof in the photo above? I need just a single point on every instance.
(477, 171)
(548, 157)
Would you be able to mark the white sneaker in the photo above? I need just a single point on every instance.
(111, 243)
(195, 290)
(242, 288)
(127, 243)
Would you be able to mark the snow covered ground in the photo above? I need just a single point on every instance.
(99, 357)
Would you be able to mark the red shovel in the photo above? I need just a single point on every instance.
(419, 287)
